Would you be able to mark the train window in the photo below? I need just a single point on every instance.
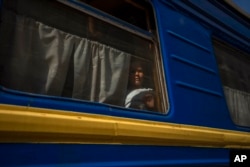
(234, 67)
(82, 50)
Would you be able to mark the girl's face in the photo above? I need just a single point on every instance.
(136, 75)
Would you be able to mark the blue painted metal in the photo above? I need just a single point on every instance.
(189, 41)
(194, 88)
(82, 155)
(191, 63)
(222, 22)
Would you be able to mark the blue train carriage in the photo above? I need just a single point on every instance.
(123, 83)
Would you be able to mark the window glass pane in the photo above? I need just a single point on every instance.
(234, 67)
(57, 50)
(135, 12)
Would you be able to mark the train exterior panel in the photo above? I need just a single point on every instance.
(68, 96)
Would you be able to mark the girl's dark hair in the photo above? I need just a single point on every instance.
(147, 70)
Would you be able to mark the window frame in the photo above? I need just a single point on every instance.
(158, 79)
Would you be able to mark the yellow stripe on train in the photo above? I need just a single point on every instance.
(36, 125)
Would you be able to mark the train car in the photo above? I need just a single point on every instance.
(119, 83)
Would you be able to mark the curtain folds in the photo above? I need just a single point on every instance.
(239, 105)
(42, 59)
